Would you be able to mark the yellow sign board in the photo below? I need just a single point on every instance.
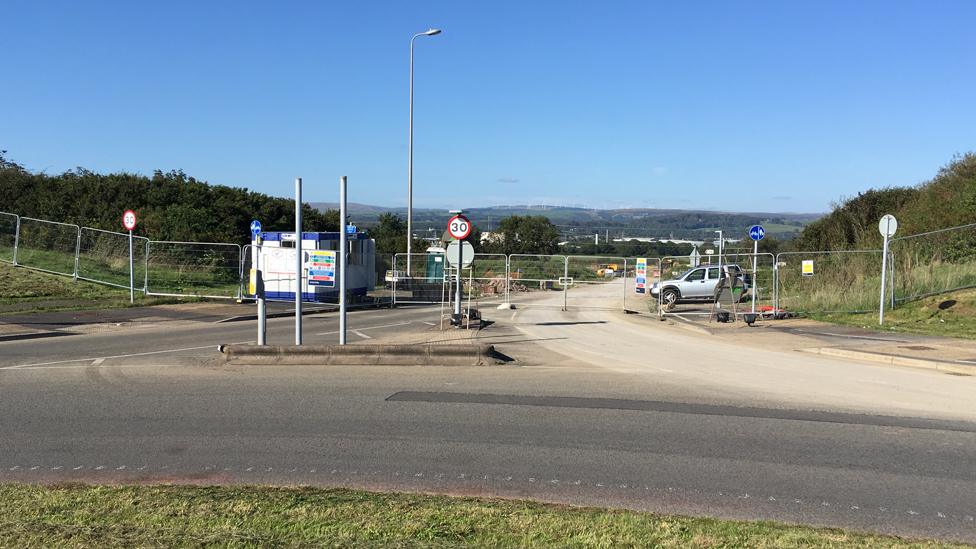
(807, 267)
(252, 283)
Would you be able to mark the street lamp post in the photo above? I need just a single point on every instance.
(428, 32)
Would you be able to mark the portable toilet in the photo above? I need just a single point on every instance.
(276, 256)
(436, 258)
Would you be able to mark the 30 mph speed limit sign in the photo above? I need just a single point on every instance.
(459, 227)
(129, 220)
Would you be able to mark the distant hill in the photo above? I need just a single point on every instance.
(629, 222)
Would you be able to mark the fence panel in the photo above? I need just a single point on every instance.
(9, 224)
(48, 246)
(424, 283)
(762, 280)
(842, 281)
(534, 278)
(642, 302)
(676, 299)
(487, 278)
(103, 257)
(193, 269)
(598, 282)
(933, 263)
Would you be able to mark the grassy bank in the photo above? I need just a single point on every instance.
(85, 516)
(25, 290)
(950, 315)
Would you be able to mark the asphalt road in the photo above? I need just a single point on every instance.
(569, 427)
(160, 339)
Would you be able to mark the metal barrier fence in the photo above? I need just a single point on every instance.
(48, 246)
(193, 269)
(103, 257)
(9, 224)
(687, 287)
(842, 281)
(922, 265)
(598, 282)
(933, 263)
(424, 283)
(644, 301)
(487, 278)
(760, 272)
(532, 278)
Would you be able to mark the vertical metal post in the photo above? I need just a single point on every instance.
(342, 260)
(298, 261)
(755, 256)
(891, 281)
(16, 240)
(132, 272)
(395, 277)
(262, 305)
(565, 283)
(625, 283)
(721, 241)
(145, 273)
(77, 254)
(470, 291)
(410, 165)
(884, 274)
(444, 294)
(776, 283)
(508, 279)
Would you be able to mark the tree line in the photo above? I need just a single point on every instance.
(169, 205)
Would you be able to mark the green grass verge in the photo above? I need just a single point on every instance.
(25, 290)
(955, 318)
(152, 516)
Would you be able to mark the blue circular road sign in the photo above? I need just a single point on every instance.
(756, 232)
(255, 227)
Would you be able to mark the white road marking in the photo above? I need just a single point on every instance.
(362, 335)
(430, 323)
(98, 362)
(103, 358)
(367, 328)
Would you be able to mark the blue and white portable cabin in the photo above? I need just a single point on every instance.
(277, 261)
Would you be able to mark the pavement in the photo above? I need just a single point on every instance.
(914, 350)
(598, 408)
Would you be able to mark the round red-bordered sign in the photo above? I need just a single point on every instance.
(129, 220)
(459, 227)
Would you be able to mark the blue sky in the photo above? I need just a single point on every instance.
(746, 106)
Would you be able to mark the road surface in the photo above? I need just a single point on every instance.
(599, 409)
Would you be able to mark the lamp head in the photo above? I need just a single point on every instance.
(431, 32)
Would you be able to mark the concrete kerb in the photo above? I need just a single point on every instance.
(358, 355)
(893, 360)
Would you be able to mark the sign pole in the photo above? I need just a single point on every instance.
(132, 278)
(755, 267)
(342, 260)
(887, 226)
(884, 274)
(262, 306)
(129, 222)
(458, 292)
(298, 261)
(459, 227)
